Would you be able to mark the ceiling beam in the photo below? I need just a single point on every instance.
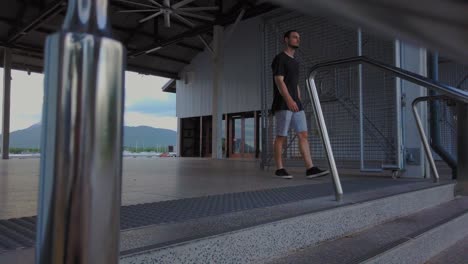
(27, 67)
(24, 53)
(165, 57)
(52, 10)
(226, 20)
(21, 66)
(150, 36)
(26, 48)
(169, 58)
(124, 6)
(18, 17)
(152, 71)
(188, 46)
(44, 30)
(37, 52)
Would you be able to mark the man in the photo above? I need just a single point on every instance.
(287, 107)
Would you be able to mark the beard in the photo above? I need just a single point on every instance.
(293, 46)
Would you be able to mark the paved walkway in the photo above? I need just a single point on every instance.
(146, 180)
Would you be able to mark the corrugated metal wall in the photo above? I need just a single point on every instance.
(241, 84)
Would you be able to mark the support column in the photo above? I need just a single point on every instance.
(226, 136)
(361, 107)
(413, 59)
(217, 152)
(179, 137)
(462, 149)
(6, 103)
(200, 147)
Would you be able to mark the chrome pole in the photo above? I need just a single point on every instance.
(312, 89)
(361, 103)
(81, 147)
(427, 148)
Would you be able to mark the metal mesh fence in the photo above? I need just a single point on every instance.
(379, 102)
(456, 75)
(322, 40)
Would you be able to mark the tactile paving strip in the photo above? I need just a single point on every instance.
(20, 232)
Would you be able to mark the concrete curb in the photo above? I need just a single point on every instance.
(271, 240)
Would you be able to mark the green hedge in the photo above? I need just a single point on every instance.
(24, 150)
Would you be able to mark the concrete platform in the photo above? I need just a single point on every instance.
(168, 201)
(146, 180)
(365, 198)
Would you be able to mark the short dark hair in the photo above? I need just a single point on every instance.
(288, 33)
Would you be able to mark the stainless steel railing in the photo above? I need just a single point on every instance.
(425, 141)
(444, 90)
(81, 151)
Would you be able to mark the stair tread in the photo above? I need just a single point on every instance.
(456, 254)
(360, 246)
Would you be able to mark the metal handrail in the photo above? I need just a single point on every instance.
(445, 90)
(425, 142)
(451, 92)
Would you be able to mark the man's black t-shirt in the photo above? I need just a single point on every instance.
(288, 67)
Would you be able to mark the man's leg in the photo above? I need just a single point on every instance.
(305, 149)
(299, 123)
(283, 119)
(279, 142)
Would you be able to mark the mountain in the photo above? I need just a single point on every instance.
(26, 138)
(145, 136)
(141, 136)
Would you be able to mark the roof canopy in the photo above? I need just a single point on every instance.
(157, 43)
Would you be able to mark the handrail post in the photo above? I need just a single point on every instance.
(312, 90)
(427, 148)
(81, 144)
(447, 91)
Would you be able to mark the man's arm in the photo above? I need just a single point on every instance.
(279, 80)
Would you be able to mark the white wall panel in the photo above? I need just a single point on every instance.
(241, 77)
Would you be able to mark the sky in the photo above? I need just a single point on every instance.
(145, 103)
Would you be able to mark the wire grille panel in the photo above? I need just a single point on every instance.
(456, 75)
(322, 40)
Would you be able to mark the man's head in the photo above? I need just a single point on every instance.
(292, 39)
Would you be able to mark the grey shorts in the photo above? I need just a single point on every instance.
(285, 118)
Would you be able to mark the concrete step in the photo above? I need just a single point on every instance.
(411, 239)
(456, 254)
(274, 239)
(421, 248)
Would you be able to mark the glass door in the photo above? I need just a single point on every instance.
(243, 140)
(237, 140)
